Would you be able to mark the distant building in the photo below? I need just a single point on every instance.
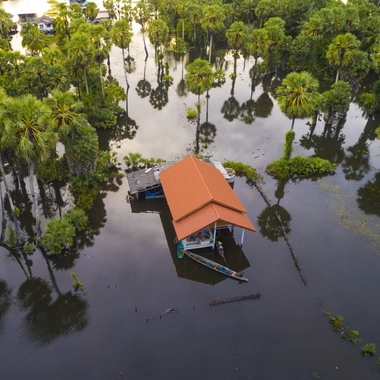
(45, 23)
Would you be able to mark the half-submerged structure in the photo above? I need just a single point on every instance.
(201, 202)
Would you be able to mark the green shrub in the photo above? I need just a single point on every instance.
(243, 170)
(299, 166)
(84, 191)
(58, 234)
(77, 218)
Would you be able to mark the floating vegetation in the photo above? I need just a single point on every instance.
(78, 285)
(352, 219)
(369, 349)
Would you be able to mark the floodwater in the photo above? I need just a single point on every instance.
(117, 329)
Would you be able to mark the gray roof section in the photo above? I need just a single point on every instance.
(145, 179)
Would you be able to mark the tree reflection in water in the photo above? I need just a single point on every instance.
(369, 196)
(5, 302)
(48, 319)
(268, 220)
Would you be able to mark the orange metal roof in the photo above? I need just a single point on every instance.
(198, 195)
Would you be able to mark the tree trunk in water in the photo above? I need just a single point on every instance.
(293, 123)
(199, 113)
(34, 200)
(125, 71)
(146, 50)
(209, 53)
(3, 217)
(15, 220)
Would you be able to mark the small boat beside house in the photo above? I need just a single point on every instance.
(216, 267)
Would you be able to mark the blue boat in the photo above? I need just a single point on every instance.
(180, 250)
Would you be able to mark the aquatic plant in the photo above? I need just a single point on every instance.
(336, 322)
(284, 168)
(369, 349)
(288, 146)
(78, 285)
(243, 170)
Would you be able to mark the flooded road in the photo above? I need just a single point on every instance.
(115, 327)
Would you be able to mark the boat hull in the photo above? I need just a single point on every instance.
(216, 267)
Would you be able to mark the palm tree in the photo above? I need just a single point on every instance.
(33, 39)
(99, 38)
(81, 53)
(3, 106)
(143, 13)
(337, 51)
(298, 95)
(91, 11)
(198, 79)
(29, 131)
(212, 22)
(247, 10)
(66, 113)
(121, 36)
(158, 33)
(257, 46)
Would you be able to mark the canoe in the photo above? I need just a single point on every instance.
(216, 267)
(220, 248)
(180, 250)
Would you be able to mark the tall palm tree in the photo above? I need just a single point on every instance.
(143, 12)
(198, 79)
(158, 33)
(29, 131)
(81, 53)
(3, 106)
(298, 95)
(337, 51)
(66, 113)
(121, 36)
(212, 22)
(33, 39)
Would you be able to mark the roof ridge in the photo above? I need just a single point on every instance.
(200, 175)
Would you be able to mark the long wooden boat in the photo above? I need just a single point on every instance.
(216, 267)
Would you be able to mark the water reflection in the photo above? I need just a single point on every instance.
(5, 302)
(47, 318)
(159, 96)
(328, 145)
(356, 163)
(143, 87)
(186, 268)
(369, 196)
(268, 220)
